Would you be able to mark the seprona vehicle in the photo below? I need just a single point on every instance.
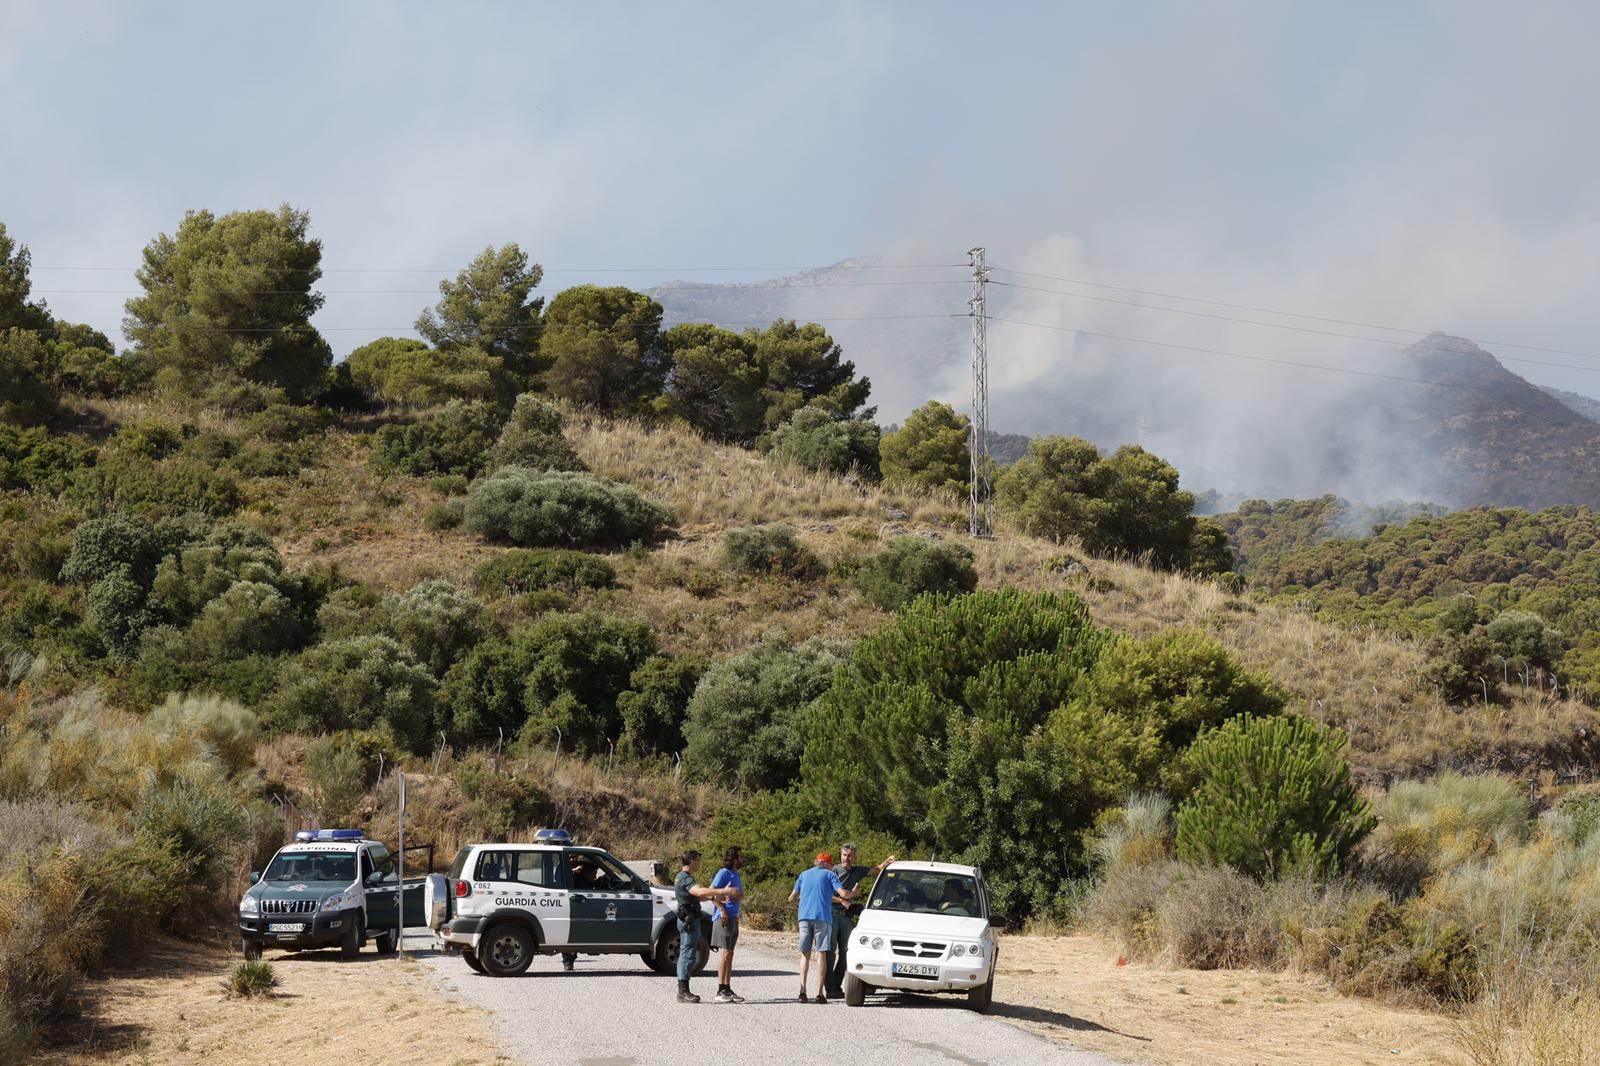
(927, 927)
(505, 903)
(330, 886)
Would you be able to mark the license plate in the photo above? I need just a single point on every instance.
(915, 969)
(286, 927)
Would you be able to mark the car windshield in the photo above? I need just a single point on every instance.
(311, 866)
(927, 892)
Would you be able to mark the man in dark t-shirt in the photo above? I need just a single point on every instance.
(851, 874)
(688, 895)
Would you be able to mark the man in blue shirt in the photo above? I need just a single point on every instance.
(725, 934)
(814, 890)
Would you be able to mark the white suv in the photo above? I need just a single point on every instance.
(505, 903)
(926, 928)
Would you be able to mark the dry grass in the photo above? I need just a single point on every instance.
(1531, 1024)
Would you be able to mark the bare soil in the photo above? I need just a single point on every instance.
(168, 1006)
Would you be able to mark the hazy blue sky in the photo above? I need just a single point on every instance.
(1426, 164)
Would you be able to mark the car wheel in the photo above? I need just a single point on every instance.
(387, 942)
(665, 960)
(350, 942)
(471, 958)
(855, 990)
(252, 950)
(979, 998)
(506, 950)
(648, 958)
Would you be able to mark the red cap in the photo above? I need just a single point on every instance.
(823, 856)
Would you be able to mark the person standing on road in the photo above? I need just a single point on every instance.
(725, 935)
(845, 912)
(688, 895)
(814, 890)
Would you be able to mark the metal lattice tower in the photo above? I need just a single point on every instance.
(980, 518)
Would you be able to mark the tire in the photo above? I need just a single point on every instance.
(350, 942)
(507, 950)
(855, 990)
(252, 950)
(665, 960)
(471, 959)
(979, 998)
(648, 958)
(387, 942)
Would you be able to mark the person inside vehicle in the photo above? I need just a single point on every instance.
(954, 900)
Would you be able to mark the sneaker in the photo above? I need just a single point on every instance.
(733, 997)
(725, 995)
(803, 996)
(821, 998)
(688, 997)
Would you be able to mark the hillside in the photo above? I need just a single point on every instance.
(1587, 407)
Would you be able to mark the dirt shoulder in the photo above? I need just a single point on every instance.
(1071, 990)
(167, 1006)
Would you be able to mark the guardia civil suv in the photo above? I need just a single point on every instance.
(927, 927)
(331, 886)
(505, 903)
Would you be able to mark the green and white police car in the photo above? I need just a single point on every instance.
(331, 886)
(506, 903)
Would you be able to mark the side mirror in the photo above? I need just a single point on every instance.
(375, 877)
(997, 921)
(255, 877)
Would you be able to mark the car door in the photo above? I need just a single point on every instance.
(610, 906)
(529, 880)
(379, 882)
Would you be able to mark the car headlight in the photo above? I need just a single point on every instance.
(249, 905)
(975, 950)
(877, 943)
(863, 939)
(333, 902)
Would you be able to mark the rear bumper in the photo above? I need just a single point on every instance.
(317, 928)
(463, 932)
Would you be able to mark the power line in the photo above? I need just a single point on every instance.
(1274, 311)
(582, 270)
(534, 288)
(621, 326)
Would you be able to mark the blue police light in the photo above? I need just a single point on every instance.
(552, 836)
(305, 835)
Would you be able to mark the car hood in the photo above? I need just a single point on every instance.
(318, 890)
(947, 926)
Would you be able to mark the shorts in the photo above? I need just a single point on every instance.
(725, 934)
(815, 936)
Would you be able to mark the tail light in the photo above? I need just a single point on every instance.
(463, 890)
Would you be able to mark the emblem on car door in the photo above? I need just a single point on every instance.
(611, 912)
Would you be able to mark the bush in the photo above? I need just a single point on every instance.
(456, 440)
(517, 572)
(285, 460)
(284, 423)
(770, 549)
(1461, 667)
(1525, 638)
(440, 517)
(1274, 795)
(225, 729)
(499, 804)
(342, 767)
(1427, 826)
(252, 979)
(930, 452)
(117, 543)
(534, 508)
(1138, 832)
(436, 621)
(911, 566)
(117, 612)
(41, 461)
(125, 482)
(532, 438)
(404, 370)
(563, 673)
(656, 703)
(198, 820)
(154, 438)
(361, 682)
(816, 439)
(741, 726)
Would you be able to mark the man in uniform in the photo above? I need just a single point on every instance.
(688, 895)
(846, 910)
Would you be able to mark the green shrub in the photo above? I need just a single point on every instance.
(517, 572)
(168, 661)
(1461, 667)
(549, 508)
(532, 438)
(118, 613)
(1138, 832)
(456, 440)
(930, 452)
(770, 549)
(348, 611)
(280, 460)
(816, 439)
(741, 726)
(172, 486)
(440, 517)
(28, 396)
(436, 621)
(404, 370)
(198, 820)
(39, 545)
(117, 543)
(656, 703)
(1274, 795)
(227, 730)
(206, 562)
(250, 618)
(41, 461)
(911, 566)
(563, 672)
(1581, 810)
(154, 438)
(360, 682)
(284, 422)
(342, 767)
(252, 979)
(499, 804)
(449, 484)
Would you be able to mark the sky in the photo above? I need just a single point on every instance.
(1429, 165)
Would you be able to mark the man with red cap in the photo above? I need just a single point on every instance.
(814, 891)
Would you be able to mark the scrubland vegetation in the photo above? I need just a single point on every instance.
(663, 587)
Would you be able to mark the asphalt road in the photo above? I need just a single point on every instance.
(612, 1011)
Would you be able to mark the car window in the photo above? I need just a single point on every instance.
(927, 892)
(521, 867)
(599, 872)
(381, 861)
(459, 864)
